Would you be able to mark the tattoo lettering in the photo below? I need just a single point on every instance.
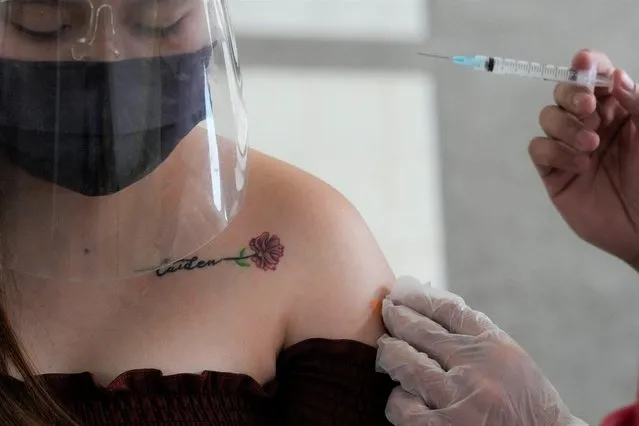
(264, 251)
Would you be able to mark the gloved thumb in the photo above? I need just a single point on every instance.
(625, 90)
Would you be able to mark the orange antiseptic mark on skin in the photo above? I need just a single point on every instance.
(376, 305)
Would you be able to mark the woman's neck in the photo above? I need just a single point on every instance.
(55, 233)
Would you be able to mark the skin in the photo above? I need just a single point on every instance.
(222, 318)
(225, 318)
(589, 158)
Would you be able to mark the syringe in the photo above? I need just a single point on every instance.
(497, 65)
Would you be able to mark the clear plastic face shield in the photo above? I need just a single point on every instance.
(123, 140)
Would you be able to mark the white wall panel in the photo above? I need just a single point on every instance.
(387, 20)
(372, 136)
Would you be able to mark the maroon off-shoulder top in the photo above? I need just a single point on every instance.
(318, 382)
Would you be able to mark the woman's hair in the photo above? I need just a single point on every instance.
(30, 405)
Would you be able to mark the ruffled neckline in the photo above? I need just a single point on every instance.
(149, 381)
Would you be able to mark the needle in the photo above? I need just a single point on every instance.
(430, 55)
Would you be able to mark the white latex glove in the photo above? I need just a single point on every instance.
(474, 373)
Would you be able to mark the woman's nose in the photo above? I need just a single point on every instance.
(100, 42)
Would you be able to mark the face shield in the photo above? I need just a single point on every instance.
(123, 139)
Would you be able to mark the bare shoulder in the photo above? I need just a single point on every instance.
(335, 270)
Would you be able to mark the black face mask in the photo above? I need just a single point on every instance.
(98, 127)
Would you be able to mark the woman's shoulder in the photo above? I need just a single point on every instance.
(279, 191)
(335, 269)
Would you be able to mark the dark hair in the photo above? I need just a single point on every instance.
(31, 405)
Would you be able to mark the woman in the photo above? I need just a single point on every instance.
(454, 365)
(155, 270)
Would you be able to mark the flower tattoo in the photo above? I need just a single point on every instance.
(267, 251)
(264, 252)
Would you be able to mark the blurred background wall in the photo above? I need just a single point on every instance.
(435, 158)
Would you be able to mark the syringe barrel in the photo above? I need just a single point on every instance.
(532, 69)
(544, 72)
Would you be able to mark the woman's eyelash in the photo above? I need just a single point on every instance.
(160, 32)
(40, 35)
(142, 29)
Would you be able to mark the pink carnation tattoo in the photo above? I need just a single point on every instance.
(267, 251)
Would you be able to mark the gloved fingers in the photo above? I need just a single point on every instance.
(443, 307)
(405, 409)
(460, 319)
(399, 318)
(416, 372)
(409, 291)
(424, 334)
(420, 297)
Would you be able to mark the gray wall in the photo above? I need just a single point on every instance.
(508, 253)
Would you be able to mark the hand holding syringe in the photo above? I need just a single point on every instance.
(587, 152)
(497, 65)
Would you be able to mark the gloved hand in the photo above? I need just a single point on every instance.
(589, 159)
(456, 368)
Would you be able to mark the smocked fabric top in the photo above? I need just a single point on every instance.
(318, 382)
